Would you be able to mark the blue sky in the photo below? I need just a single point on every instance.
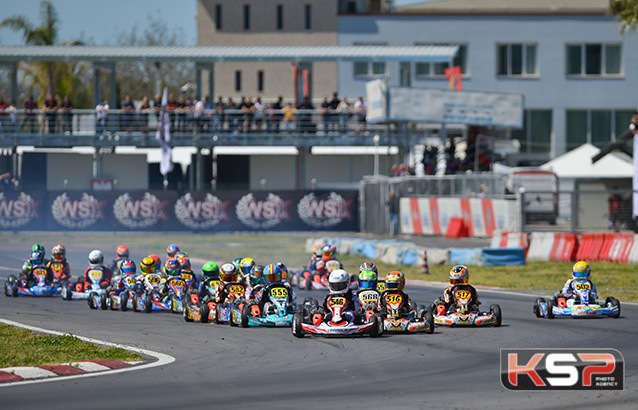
(102, 21)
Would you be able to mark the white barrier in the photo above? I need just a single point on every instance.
(633, 253)
(540, 246)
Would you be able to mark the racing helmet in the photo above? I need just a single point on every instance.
(184, 263)
(368, 280)
(272, 273)
(327, 253)
(210, 270)
(122, 251)
(148, 266)
(284, 270)
(395, 280)
(36, 257)
(246, 266)
(171, 250)
(459, 275)
(181, 254)
(58, 252)
(228, 273)
(317, 250)
(96, 257)
(172, 267)
(38, 247)
(368, 266)
(256, 275)
(236, 262)
(127, 267)
(338, 281)
(157, 260)
(581, 270)
(333, 248)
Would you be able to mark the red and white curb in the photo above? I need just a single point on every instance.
(88, 368)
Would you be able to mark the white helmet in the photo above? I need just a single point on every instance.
(96, 257)
(338, 281)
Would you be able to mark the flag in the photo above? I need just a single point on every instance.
(164, 136)
(454, 78)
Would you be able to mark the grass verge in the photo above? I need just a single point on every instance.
(21, 347)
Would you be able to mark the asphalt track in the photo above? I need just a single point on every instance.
(222, 367)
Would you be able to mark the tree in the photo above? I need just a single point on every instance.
(626, 11)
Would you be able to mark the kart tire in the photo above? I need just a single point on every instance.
(124, 302)
(218, 308)
(7, 292)
(374, 332)
(496, 311)
(244, 314)
(91, 300)
(104, 301)
(134, 303)
(537, 306)
(69, 292)
(185, 314)
(550, 309)
(148, 304)
(308, 283)
(615, 302)
(429, 317)
(231, 318)
(112, 302)
(297, 330)
(204, 311)
(174, 304)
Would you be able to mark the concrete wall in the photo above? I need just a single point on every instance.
(279, 171)
(552, 89)
(131, 171)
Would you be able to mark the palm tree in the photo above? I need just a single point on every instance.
(46, 34)
(626, 11)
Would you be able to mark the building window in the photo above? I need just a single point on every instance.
(597, 127)
(308, 17)
(246, 17)
(516, 60)
(351, 7)
(366, 69)
(536, 134)
(218, 16)
(280, 17)
(360, 69)
(438, 69)
(238, 80)
(593, 60)
(260, 81)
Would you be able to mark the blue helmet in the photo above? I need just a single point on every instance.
(172, 249)
(272, 274)
(37, 257)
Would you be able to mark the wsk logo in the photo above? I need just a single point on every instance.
(562, 369)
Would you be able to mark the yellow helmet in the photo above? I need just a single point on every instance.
(581, 270)
(147, 265)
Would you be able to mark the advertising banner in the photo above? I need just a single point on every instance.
(151, 210)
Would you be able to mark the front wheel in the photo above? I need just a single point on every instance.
(218, 309)
(429, 317)
(297, 330)
(550, 309)
(91, 300)
(205, 310)
(496, 311)
(615, 302)
(537, 306)
(104, 301)
(375, 331)
(124, 302)
(112, 303)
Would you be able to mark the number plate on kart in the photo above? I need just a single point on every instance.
(337, 301)
(39, 272)
(380, 287)
(393, 298)
(153, 280)
(236, 290)
(583, 286)
(462, 294)
(130, 280)
(56, 266)
(95, 274)
(279, 292)
(187, 276)
(178, 283)
(368, 296)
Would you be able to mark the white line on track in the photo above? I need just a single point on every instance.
(162, 359)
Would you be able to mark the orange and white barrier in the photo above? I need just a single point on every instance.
(506, 239)
(432, 216)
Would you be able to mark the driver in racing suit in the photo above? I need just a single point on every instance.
(36, 261)
(459, 280)
(580, 271)
(395, 283)
(59, 257)
(339, 285)
(227, 277)
(96, 260)
(273, 278)
(210, 271)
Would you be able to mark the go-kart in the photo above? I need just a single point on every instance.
(93, 292)
(318, 279)
(223, 311)
(335, 322)
(58, 272)
(199, 309)
(581, 305)
(462, 314)
(16, 287)
(394, 320)
(154, 299)
(277, 311)
(124, 299)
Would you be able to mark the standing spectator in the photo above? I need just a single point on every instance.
(344, 114)
(180, 110)
(232, 116)
(247, 108)
(50, 112)
(218, 115)
(3, 115)
(324, 109)
(189, 109)
(128, 112)
(67, 115)
(172, 108)
(305, 117)
(360, 107)
(7, 183)
(101, 114)
(260, 108)
(392, 210)
(13, 117)
(29, 114)
(198, 114)
(613, 210)
(143, 109)
(207, 115)
(276, 114)
(334, 118)
(289, 117)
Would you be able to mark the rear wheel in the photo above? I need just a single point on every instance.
(537, 306)
(124, 302)
(231, 319)
(148, 303)
(112, 302)
(309, 283)
(204, 311)
(186, 313)
(91, 300)
(245, 313)
(374, 331)
(69, 292)
(550, 309)
(297, 331)
(8, 290)
(615, 302)
(429, 317)
(218, 309)
(104, 301)
(496, 311)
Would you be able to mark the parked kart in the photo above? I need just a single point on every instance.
(92, 292)
(582, 305)
(335, 322)
(461, 314)
(16, 287)
(415, 321)
(223, 312)
(277, 311)
(199, 309)
(124, 299)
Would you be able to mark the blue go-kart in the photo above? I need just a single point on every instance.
(580, 305)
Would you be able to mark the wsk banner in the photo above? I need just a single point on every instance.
(173, 211)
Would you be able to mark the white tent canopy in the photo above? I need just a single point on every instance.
(577, 163)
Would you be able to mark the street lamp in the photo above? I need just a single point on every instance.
(376, 140)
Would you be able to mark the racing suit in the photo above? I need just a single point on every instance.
(106, 276)
(448, 296)
(406, 305)
(254, 292)
(359, 305)
(348, 310)
(222, 292)
(204, 286)
(65, 272)
(26, 274)
(265, 294)
(569, 291)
